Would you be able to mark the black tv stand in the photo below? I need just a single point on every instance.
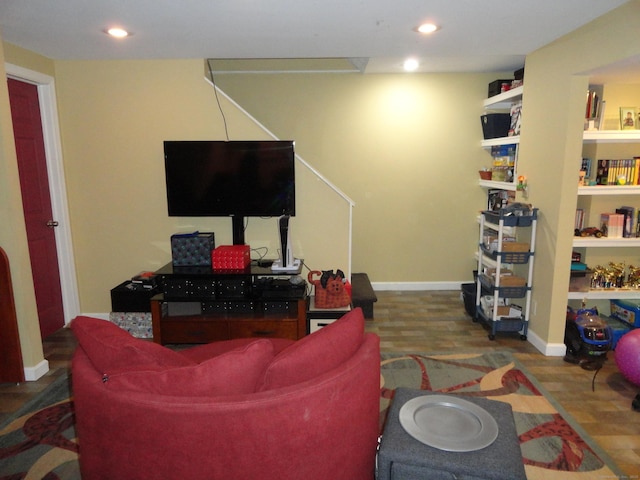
(202, 305)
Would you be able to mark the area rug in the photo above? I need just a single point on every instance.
(553, 445)
(39, 442)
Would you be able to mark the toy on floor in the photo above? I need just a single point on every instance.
(628, 356)
(588, 338)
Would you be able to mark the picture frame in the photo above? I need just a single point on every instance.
(628, 118)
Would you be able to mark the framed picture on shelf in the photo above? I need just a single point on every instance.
(628, 118)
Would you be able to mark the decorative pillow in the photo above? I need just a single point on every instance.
(112, 349)
(319, 352)
(231, 373)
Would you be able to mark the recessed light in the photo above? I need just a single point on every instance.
(117, 32)
(411, 64)
(427, 28)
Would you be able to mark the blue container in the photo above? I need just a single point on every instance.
(627, 311)
(618, 327)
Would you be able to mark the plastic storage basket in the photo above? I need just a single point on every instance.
(509, 219)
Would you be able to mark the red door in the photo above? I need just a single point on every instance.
(36, 200)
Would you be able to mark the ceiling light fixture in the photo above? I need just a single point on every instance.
(117, 32)
(411, 64)
(427, 28)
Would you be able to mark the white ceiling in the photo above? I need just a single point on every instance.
(476, 35)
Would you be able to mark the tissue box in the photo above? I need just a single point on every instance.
(192, 249)
(231, 257)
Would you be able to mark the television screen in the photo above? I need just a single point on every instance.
(230, 178)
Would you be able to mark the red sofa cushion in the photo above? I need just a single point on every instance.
(200, 353)
(319, 352)
(230, 373)
(112, 349)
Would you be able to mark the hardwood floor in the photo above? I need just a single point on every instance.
(436, 322)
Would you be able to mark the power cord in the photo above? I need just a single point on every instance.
(215, 91)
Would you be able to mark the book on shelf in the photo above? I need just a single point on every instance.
(586, 167)
(611, 225)
(600, 115)
(602, 172)
(621, 171)
(628, 229)
(592, 105)
(579, 221)
(516, 118)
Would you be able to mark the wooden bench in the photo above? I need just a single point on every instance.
(362, 294)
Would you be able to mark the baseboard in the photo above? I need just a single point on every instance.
(415, 286)
(547, 349)
(31, 374)
(101, 316)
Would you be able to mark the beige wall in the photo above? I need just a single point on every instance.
(556, 82)
(115, 116)
(406, 148)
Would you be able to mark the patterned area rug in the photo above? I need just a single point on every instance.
(40, 442)
(553, 445)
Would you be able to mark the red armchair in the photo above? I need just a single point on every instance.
(243, 409)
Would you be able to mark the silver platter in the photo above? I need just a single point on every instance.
(448, 423)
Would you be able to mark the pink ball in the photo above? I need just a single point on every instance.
(627, 355)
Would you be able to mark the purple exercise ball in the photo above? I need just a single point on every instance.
(627, 355)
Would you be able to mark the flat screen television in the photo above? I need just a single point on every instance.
(248, 178)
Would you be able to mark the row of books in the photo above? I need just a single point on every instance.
(624, 171)
(623, 223)
(593, 105)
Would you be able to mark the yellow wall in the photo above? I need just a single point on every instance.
(406, 148)
(556, 81)
(115, 116)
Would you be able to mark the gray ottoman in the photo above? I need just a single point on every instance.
(401, 457)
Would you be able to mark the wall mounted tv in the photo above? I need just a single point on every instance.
(248, 178)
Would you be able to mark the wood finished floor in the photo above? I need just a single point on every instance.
(436, 322)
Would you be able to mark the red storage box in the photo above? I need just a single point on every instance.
(231, 257)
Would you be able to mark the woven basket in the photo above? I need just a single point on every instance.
(515, 247)
(334, 295)
(485, 174)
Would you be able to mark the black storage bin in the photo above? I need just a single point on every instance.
(495, 87)
(469, 297)
(519, 74)
(131, 297)
(495, 125)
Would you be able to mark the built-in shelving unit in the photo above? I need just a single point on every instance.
(611, 136)
(609, 190)
(608, 137)
(502, 102)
